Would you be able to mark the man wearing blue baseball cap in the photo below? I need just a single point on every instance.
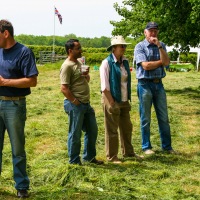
(151, 59)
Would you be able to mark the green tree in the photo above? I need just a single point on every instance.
(179, 20)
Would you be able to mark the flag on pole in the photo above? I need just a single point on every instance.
(59, 15)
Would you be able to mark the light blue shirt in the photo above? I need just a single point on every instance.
(145, 52)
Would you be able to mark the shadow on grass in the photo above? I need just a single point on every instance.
(173, 160)
(189, 92)
(159, 157)
(76, 194)
(5, 195)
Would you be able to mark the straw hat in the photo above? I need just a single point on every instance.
(115, 40)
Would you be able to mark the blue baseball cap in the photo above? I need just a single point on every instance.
(151, 25)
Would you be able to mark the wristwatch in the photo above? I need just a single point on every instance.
(160, 47)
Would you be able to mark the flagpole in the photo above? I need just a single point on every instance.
(54, 33)
(60, 19)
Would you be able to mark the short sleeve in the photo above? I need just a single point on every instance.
(65, 74)
(104, 75)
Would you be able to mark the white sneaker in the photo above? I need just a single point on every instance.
(149, 152)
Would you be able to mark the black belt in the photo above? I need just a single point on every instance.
(155, 80)
(5, 98)
(84, 103)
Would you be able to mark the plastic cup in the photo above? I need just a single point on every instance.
(84, 70)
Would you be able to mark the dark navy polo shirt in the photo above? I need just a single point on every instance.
(16, 62)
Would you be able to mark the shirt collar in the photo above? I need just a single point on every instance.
(123, 58)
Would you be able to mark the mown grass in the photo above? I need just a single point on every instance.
(161, 176)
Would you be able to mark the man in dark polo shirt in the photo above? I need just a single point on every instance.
(18, 73)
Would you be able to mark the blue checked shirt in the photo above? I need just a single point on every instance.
(144, 52)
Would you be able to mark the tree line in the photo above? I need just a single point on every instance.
(102, 42)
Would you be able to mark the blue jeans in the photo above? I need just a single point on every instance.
(81, 118)
(153, 93)
(12, 119)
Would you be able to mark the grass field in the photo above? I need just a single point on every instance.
(157, 177)
(181, 67)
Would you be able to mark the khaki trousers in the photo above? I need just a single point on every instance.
(117, 118)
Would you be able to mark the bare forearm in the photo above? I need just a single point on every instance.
(164, 57)
(163, 54)
(87, 77)
(68, 94)
(19, 83)
(151, 65)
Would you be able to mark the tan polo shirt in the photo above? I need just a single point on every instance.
(70, 74)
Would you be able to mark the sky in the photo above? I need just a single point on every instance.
(84, 18)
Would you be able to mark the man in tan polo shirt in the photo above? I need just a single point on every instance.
(75, 87)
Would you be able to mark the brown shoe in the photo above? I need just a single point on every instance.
(116, 161)
(134, 156)
(97, 162)
(171, 151)
(138, 156)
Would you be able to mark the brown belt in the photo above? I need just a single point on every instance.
(11, 98)
(155, 80)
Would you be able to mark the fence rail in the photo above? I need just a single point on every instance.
(49, 57)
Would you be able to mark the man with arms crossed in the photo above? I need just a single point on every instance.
(151, 58)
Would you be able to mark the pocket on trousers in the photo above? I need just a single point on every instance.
(129, 107)
(20, 108)
(67, 106)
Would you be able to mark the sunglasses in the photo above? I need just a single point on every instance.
(122, 46)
